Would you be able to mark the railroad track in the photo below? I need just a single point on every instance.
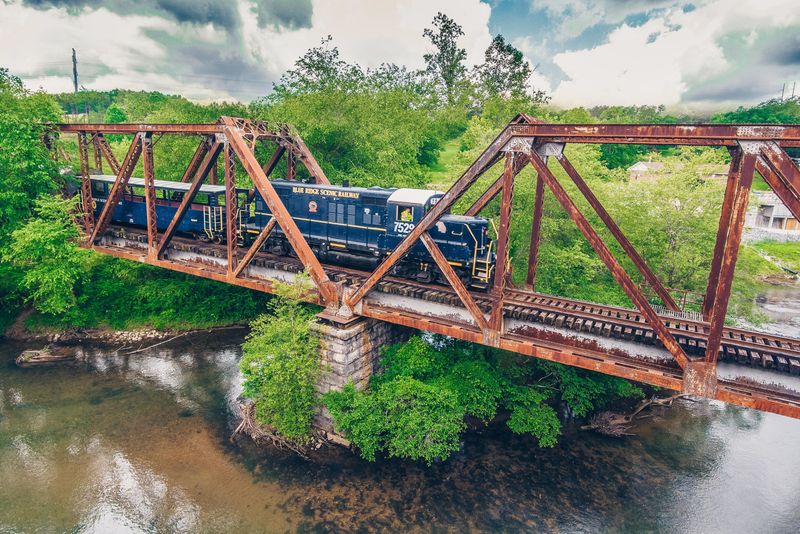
(757, 349)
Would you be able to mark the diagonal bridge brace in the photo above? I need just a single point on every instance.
(235, 132)
(602, 250)
(124, 173)
(488, 158)
(200, 175)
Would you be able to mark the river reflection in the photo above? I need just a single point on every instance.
(140, 443)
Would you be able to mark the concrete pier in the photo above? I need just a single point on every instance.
(351, 352)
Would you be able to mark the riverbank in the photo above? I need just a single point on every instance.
(20, 330)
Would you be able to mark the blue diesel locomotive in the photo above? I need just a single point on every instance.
(343, 225)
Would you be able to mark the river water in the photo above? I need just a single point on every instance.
(141, 443)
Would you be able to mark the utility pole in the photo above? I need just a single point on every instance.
(793, 85)
(74, 71)
(783, 90)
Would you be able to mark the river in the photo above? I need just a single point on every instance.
(141, 443)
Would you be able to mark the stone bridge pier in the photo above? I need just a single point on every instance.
(350, 351)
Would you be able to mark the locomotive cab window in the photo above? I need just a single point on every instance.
(405, 213)
(98, 188)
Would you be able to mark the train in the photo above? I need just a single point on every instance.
(350, 226)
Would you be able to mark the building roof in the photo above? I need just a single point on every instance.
(161, 184)
(413, 196)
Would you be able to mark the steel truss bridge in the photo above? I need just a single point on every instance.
(666, 348)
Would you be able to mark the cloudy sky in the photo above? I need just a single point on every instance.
(681, 53)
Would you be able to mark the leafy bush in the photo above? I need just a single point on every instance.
(281, 364)
(415, 408)
(45, 247)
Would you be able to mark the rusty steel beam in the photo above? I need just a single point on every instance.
(791, 201)
(536, 229)
(619, 274)
(86, 186)
(245, 154)
(255, 247)
(722, 291)
(123, 175)
(141, 128)
(197, 158)
(455, 282)
(658, 134)
(209, 161)
(478, 167)
(731, 186)
(150, 194)
(783, 165)
(494, 189)
(231, 235)
(502, 262)
(290, 167)
(108, 153)
(785, 176)
(615, 230)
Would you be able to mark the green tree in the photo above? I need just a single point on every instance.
(446, 62)
(45, 247)
(343, 122)
(26, 170)
(320, 68)
(115, 115)
(772, 111)
(505, 70)
(281, 365)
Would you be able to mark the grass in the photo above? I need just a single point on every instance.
(786, 254)
(749, 282)
(447, 168)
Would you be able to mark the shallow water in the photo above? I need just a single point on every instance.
(781, 306)
(142, 444)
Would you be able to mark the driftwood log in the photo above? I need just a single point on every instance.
(617, 424)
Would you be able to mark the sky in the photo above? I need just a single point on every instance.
(684, 54)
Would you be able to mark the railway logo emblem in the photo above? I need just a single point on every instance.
(312, 207)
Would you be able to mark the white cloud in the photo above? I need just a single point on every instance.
(115, 49)
(370, 33)
(657, 62)
(531, 50)
(121, 51)
(577, 15)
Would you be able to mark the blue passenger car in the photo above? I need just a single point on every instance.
(205, 218)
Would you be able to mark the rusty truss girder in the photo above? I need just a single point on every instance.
(523, 142)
